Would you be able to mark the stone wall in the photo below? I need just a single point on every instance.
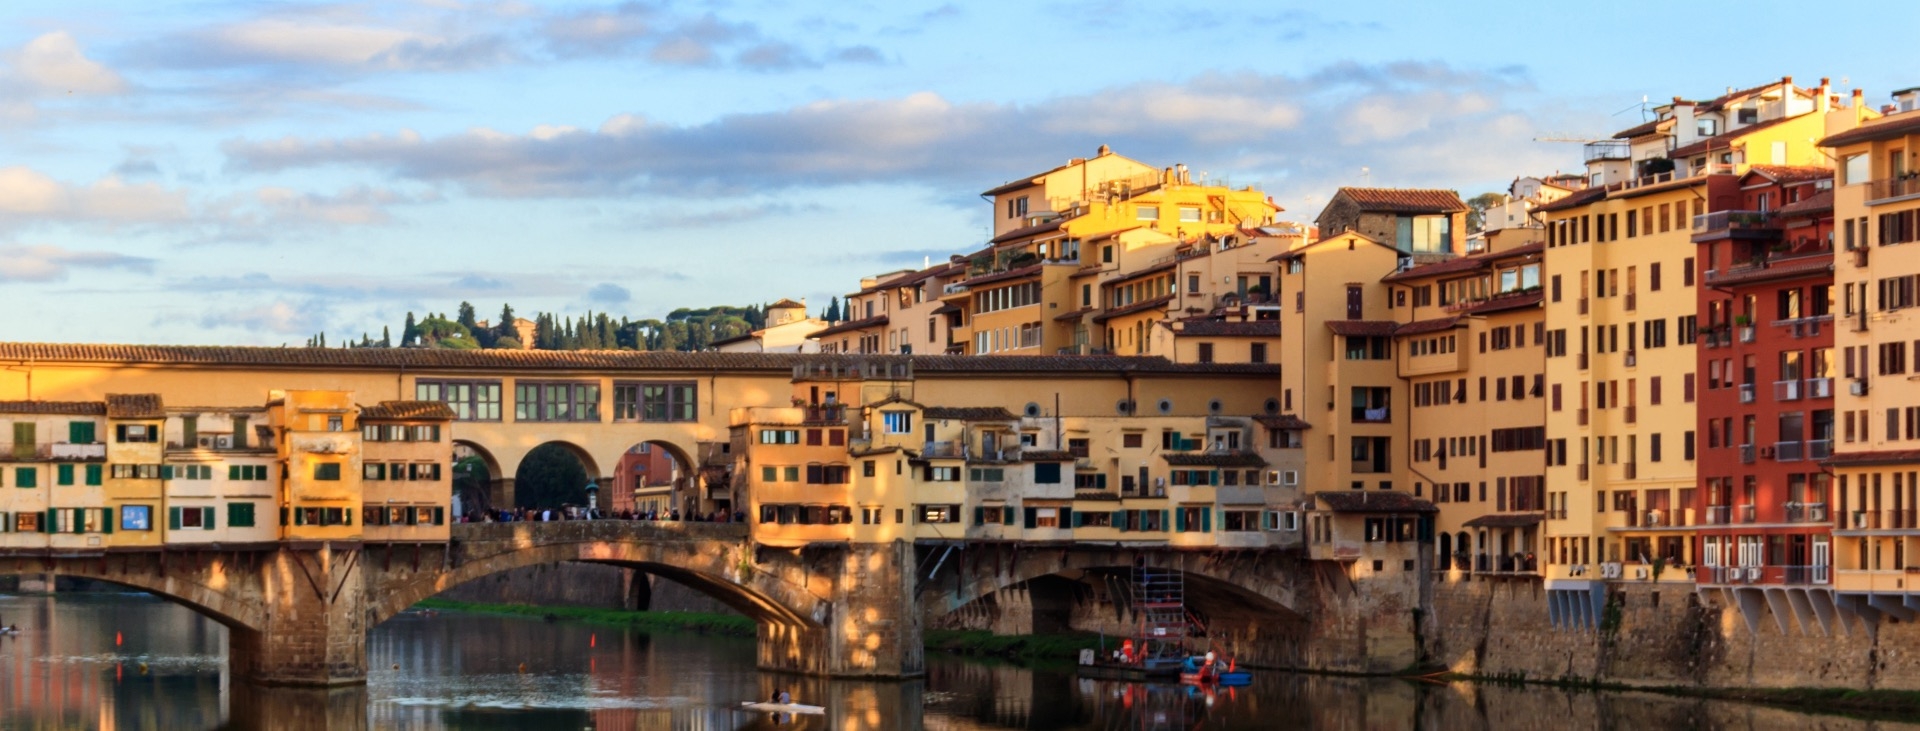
(1657, 635)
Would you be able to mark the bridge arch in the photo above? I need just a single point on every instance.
(235, 612)
(1253, 583)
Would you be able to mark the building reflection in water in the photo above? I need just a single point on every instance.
(129, 661)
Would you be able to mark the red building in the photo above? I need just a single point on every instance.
(1765, 375)
(643, 480)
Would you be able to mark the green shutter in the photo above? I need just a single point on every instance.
(233, 472)
(979, 515)
(106, 520)
(1213, 478)
(1163, 520)
(206, 518)
(23, 440)
(346, 517)
(173, 519)
(1206, 520)
(1006, 515)
(80, 432)
(26, 477)
(239, 515)
(64, 474)
(299, 517)
(79, 520)
(440, 514)
(1067, 518)
(93, 474)
(1180, 521)
(52, 520)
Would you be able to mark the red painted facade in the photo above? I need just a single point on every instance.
(1765, 381)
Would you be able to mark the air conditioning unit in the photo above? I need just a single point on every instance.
(1640, 572)
(224, 441)
(206, 442)
(1766, 452)
(1857, 387)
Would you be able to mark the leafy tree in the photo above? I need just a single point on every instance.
(441, 333)
(550, 477)
(1477, 210)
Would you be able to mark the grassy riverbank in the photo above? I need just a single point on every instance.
(701, 622)
(976, 643)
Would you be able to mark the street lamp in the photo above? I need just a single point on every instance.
(593, 498)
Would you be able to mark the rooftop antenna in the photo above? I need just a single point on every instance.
(1642, 106)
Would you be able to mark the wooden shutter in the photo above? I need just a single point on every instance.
(173, 519)
(93, 474)
(106, 520)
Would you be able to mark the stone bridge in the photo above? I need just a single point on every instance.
(298, 613)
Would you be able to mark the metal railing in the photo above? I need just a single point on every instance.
(1608, 150)
(1786, 390)
(1724, 220)
(1746, 333)
(1719, 515)
(1746, 454)
(1819, 448)
(1819, 388)
(1746, 393)
(1895, 187)
(1748, 514)
(946, 449)
(1806, 512)
(1786, 451)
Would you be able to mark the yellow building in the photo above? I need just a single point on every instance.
(318, 442)
(53, 474)
(1876, 208)
(134, 490)
(406, 470)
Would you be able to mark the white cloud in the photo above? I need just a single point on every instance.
(54, 63)
(46, 263)
(280, 316)
(28, 196)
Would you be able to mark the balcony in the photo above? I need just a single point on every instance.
(826, 414)
(1719, 515)
(1819, 388)
(942, 450)
(1786, 390)
(1804, 327)
(1806, 512)
(1371, 416)
(1719, 337)
(1887, 190)
(1747, 514)
(1746, 454)
(1599, 150)
(66, 451)
(1731, 221)
(1655, 519)
(1857, 322)
(1746, 393)
(1806, 574)
(1819, 448)
(1746, 333)
(1864, 520)
(1632, 359)
(1787, 451)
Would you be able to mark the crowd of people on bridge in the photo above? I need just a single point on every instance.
(541, 515)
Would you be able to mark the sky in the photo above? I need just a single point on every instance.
(252, 173)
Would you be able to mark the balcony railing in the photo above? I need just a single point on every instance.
(1719, 515)
(1746, 454)
(1724, 220)
(1819, 448)
(1371, 416)
(1746, 333)
(1655, 519)
(1819, 388)
(1718, 338)
(947, 450)
(1804, 327)
(1748, 514)
(1786, 390)
(827, 414)
(1805, 574)
(1746, 393)
(1608, 150)
(1888, 188)
(1806, 512)
(1786, 451)
(1864, 520)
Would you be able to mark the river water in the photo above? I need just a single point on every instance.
(132, 661)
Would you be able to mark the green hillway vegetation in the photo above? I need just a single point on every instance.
(979, 643)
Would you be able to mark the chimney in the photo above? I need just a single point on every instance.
(1824, 100)
(1104, 151)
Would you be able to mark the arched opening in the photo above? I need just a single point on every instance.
(236, 617)
(554, 476)
(475, 472)
(653, 477)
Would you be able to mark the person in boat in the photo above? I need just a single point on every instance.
(786, 698)
(1126, 651)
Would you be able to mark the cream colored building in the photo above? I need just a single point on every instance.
(788, 330)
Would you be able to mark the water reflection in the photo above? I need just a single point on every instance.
(131, 661)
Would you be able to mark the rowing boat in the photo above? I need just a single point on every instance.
(782, 707)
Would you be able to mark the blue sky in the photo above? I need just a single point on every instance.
(251, 173)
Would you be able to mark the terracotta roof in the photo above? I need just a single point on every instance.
(999, 276)
(1817, 203)
(1465, 263)
(1222, 328)
(1025, 231)
(1789, 174)
(1404, 200)
(1885, 457)
(1362, 328)
(784, 302)
(1142, 305)
(1579, 198)
(1221, 459)
(913, 277)
(896, 399)
(1505, 520)
(1095, 495)
(1638, 130)
(421, 410)
(1074, 314)
(66, 408)
(1046, 455)
(1155, 269)
(734, 339)
(1723, 99)
(1725, 141)
(1283, 421)
(968, 413)
(604, 360)
(851, 326)
(1380, 501)
(871, 451)
(1505, 302)
(947, 309)
(1423, 327)
(1880, 129)
(135, 406)
(1777, 270)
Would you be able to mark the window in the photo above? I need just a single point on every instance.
(136, 517)
(1206, 353)
(1257, 353)
(1427, 234)
(1857, 168)
(329, 471)
(26, 477)
(943, 474)
(1146, 213)
(937, 513)
(135, 433)
(779, 436)
(202, 518)
(1046, 473)
(28, 522)
(470, 400)
(1131, 440)
(240, 515)
(897, 422)
(248, 472)
(550, 401)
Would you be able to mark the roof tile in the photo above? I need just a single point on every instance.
(1405, 200)
(967, 413)
(65, 408)
(135, 406)
(407, 410)
(1365, 501)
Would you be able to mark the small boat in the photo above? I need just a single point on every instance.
(1209, 671)
(782, 707)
